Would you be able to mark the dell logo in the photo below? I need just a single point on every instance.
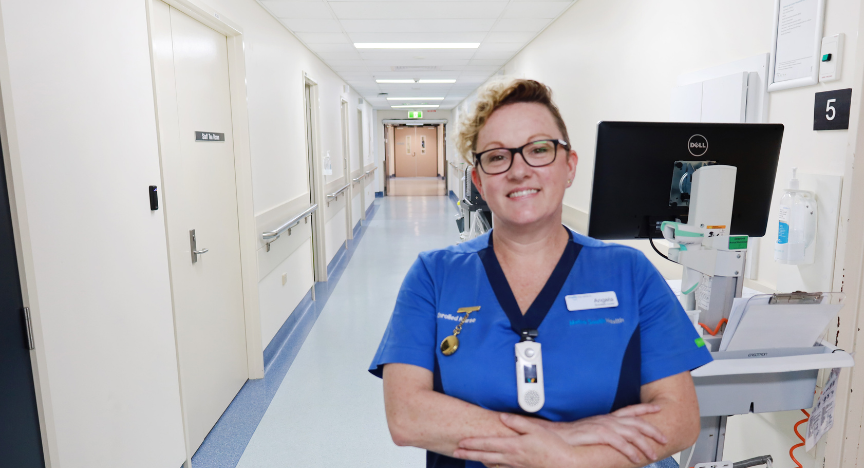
(697, 145)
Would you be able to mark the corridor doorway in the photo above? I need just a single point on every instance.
(416, 151)
(207, 210)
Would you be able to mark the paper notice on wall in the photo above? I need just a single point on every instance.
(796, 31)
(703, 293)
(822, 418)
(328, 165)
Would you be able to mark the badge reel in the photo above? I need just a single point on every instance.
(529, 373)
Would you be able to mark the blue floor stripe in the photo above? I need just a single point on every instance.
(455, 200)
(224, 445)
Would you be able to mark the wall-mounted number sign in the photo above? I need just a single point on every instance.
(209, 136)
(831, 110)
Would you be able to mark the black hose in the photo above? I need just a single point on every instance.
(658, 252)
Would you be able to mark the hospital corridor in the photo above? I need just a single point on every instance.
(431, 233)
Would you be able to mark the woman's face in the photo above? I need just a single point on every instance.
(524, 195)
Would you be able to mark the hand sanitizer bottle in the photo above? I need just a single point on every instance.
(797, 229)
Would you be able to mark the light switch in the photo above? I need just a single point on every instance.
(284, 279)
(832, 53)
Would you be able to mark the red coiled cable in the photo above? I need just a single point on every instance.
(716, 330)
(791, 455)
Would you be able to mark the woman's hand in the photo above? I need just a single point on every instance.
(534, 447)
(622, 430)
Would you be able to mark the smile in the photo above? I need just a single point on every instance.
(522, 193)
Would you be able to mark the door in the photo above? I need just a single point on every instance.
(20, 439)
(196, 146)
(404, 152)
(426, 151)
(416, 151)
(310, 174)
(361, 158)
(347, 195)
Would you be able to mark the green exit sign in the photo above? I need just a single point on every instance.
(415, 114)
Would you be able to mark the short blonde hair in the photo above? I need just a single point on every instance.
(494, 96)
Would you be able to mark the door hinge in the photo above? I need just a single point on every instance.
(29, 325)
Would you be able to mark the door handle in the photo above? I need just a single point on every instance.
(193, 244)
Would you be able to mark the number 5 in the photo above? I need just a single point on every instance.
(830, 108)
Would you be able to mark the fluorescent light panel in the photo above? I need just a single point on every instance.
(412, 81)
(415, 107)
(416, 45)
(415, 98)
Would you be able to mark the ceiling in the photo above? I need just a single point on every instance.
(330, 29)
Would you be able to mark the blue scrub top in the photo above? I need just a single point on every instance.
(594, 361)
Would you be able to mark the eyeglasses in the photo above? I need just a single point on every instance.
(536, 154)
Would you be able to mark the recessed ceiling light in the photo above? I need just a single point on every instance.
(413, 81)
(415, 98)
(416, 45)
(415, 106)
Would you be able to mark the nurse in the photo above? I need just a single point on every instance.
(617, 347)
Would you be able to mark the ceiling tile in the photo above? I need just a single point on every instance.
(339, 56)
(521, 25)
(418, 10)
(508, 37)
(427, 37)
(322, 38)
(493, 55)
(428, 55)
(312, 25)
(500, 47)
(321, 48)
(536, 9)
(417, 26)
(289, 9)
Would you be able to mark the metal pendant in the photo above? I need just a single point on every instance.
(449, 345)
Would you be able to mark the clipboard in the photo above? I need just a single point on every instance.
(776, 321)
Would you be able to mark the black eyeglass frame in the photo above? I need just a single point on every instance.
(515, 151)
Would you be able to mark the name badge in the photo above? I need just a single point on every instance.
(599, 300)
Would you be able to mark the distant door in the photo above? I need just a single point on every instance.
(20, 439)
(346, 171)
(427, 151)
(310, 168)
(416, 152)
(403, 152)
(192, 90)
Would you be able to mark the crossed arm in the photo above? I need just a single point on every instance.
(666, 423)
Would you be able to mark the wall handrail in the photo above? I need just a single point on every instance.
(371, 170)
(271, 236)
(454, 165)
(336, 194)
(358, 179)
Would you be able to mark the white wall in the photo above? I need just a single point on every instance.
(77, 96)
(275, 63)
(618, 60)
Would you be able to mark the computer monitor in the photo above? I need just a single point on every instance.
(641, 168)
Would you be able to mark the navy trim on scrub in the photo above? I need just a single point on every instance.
(433, 459)
(544, 301)
(630, 379)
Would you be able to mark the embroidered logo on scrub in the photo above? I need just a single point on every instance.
(453, 318)
(598, 300)
(615, 321)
